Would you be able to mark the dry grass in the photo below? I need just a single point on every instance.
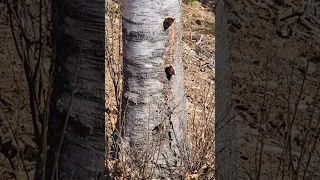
(275, 90)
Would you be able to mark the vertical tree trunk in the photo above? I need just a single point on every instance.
(225, 129)
(153, 102)
(78, 43)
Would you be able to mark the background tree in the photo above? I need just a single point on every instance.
(77, 115)
(225, 129)
(154, 116)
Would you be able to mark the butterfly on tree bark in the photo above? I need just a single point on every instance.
(169, 72)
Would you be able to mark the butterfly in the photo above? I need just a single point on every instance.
(169, 72)
(167, 23)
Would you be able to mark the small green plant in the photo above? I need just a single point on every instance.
(192, 3)
(210, 26)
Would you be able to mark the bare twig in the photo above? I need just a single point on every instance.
(64, 130)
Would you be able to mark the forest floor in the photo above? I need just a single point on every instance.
(15, 118)
(275, 64)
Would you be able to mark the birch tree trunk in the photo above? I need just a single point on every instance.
(153, 101)
(225, 130)
(78, 51)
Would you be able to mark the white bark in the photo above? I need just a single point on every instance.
(83, 151)
(146, 86)
(225, 129)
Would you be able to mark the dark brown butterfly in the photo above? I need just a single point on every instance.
(167, 23)
(169, 72)
(159, 127)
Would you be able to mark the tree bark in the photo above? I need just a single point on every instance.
(225, 130)
(78, 43)
(154, 111)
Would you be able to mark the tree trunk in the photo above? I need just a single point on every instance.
(78, 51)
(153, 100)
(225, 129)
